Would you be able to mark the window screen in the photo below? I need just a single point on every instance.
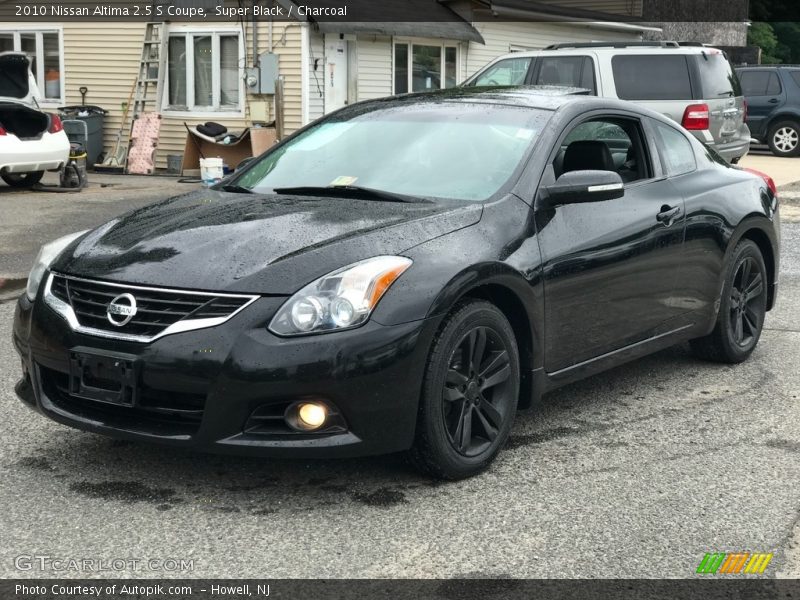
(652, 77)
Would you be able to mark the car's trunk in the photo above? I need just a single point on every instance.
(24, 122)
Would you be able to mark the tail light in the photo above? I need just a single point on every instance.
(746, 109)
(697, 117)
(3, 130)
(55, 124)
(767, 179)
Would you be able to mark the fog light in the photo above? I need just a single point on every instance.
(311, 415)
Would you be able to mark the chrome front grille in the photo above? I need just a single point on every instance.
(158, 312)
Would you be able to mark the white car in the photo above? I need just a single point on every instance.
(31, 141)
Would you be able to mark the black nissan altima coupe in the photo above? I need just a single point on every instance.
(402, 275)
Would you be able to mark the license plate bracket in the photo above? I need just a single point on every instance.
(109, 379)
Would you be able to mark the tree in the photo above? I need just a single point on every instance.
(779, 41)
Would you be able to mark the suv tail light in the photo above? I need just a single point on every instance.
(3, 130)
(767, 179)
(746, 109)
(697, 117)
(55, 124)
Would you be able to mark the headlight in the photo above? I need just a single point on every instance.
(341, 300)
(47, 254)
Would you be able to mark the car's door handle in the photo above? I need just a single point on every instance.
(774, 101)
(668, 214)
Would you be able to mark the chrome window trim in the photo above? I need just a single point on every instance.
(68, 314)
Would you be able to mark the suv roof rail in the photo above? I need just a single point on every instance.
(766, 66)
(694, 44)
(613, 45)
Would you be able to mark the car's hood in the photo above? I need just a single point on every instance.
(16, 79)
(209, 240)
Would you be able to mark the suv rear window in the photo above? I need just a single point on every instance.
(652, 77)
(717, 76)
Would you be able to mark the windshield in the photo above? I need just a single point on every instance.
(717, 75)
(441, 150)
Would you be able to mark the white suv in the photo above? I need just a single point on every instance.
(692, 84)
(31, 141)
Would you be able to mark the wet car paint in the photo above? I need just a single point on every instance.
(585, 287)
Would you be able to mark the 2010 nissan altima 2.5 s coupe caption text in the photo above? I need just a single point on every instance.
(402, 275)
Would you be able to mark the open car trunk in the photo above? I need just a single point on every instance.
(24, 122)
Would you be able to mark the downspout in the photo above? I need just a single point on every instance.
(255, 36)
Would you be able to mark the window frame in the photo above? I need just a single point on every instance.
(658, 141)
(39, 30)
(643, 131)
(189, 33)
(410, 43)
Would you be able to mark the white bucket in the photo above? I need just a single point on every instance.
(211, 170)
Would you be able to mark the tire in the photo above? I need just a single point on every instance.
(23, 180)
(457, 397)
(784, 138)
(741, 315)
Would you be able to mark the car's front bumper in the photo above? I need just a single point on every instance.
(371, 375)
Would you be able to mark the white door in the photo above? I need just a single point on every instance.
(340, 71)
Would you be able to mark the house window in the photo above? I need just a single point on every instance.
(424, 67)
(44, 49)
(203, 71)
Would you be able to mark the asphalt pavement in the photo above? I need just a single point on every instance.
(635, 473)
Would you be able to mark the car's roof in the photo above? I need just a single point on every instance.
(743, 67)
(546, 97)
(579, 50)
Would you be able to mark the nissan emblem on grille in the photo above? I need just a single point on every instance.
(121, 310)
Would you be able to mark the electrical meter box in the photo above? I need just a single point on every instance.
(261, 79)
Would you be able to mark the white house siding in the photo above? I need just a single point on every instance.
(501, 37)
(104, 57)
(374, 67)
(315, 98)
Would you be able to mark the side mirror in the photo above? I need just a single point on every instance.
(585, 186)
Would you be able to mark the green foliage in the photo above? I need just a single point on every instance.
(779, 42)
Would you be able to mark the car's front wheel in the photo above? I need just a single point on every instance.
(23, 180)
(743, 306)
(470, 392)
(784, 138)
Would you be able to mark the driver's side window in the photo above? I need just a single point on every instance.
(605, 144)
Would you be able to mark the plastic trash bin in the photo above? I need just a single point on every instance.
(84, 125)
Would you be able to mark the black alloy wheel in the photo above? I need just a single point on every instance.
(476, 391)
(470, 393)
(743, 307)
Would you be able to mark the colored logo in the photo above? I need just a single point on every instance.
(721, 563)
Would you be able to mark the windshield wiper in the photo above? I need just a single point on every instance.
(348, 191)
(235, 189)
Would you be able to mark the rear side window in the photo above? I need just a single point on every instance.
(675, 149)
(773, 85)
(796, 76)
(511, 71)
(717, 76)
(573, 71)
(652, 77)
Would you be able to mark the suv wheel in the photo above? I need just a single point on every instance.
(469, 393)
(784, 138)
